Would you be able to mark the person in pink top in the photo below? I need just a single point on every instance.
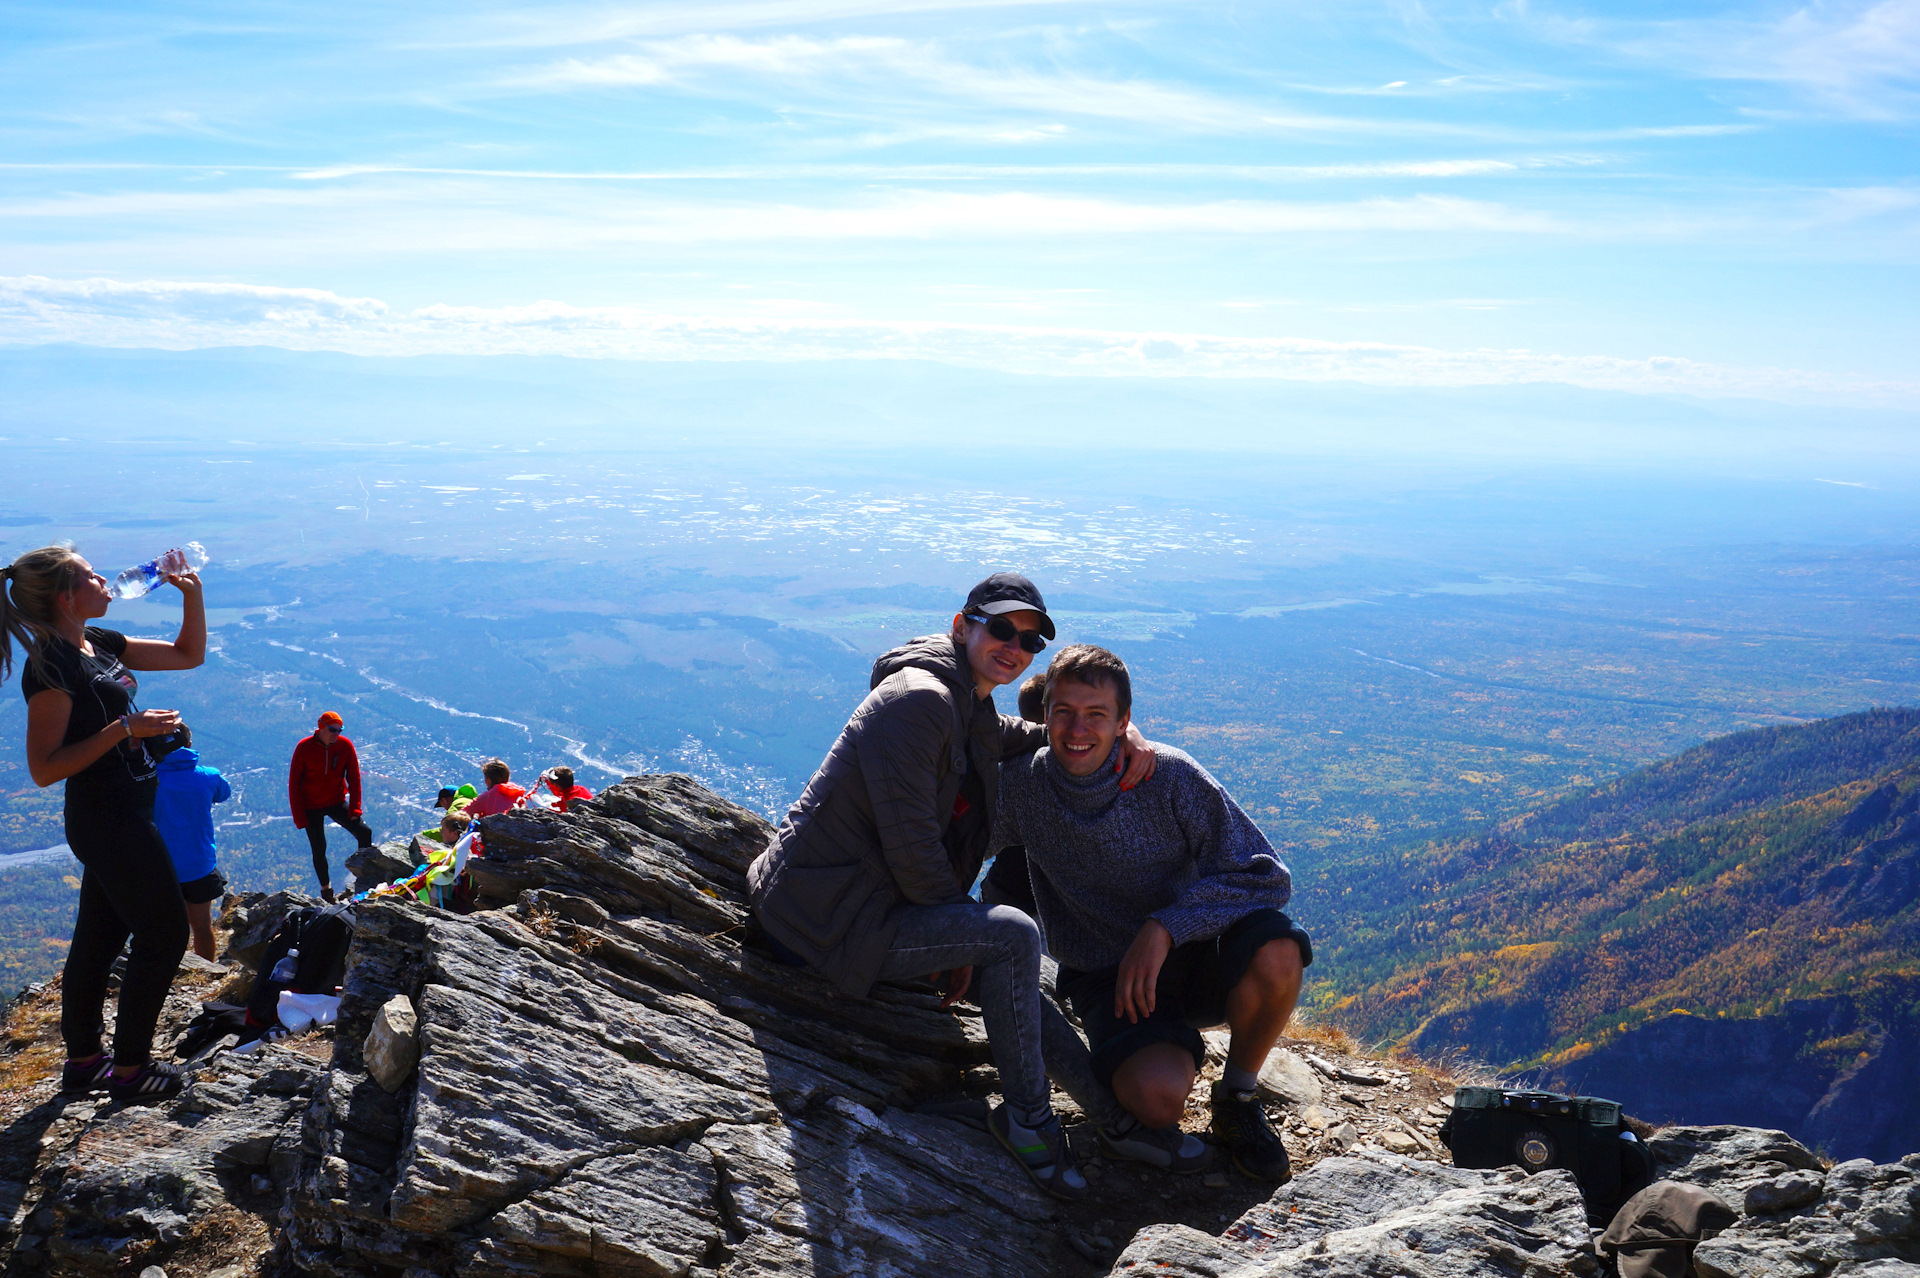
(501, 795)
(565, 792)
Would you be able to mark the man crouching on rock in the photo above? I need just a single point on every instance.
(867, 879)
(1162, 904)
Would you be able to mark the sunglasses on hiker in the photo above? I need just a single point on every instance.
(1002, 630)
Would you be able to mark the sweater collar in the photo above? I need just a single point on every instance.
(1085, 795)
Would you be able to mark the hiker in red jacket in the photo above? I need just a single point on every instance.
(565, 792)
(323, 782)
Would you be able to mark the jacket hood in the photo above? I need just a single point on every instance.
(466, 791)
(185, 759)
(936, 654)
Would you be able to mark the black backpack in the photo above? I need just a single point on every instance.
(1500, 1127)
(322, 935)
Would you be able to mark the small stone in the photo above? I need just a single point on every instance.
(1342, 1137)
(1315, 1117)
(262, 1185)
(1215, 1180)
(1399, 1142)
(1286, 1078)
(1085, 1247)
(1784, 1193)
(392, 1048)
(153, 1271)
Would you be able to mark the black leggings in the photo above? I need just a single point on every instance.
(317, 835)
(128, 889)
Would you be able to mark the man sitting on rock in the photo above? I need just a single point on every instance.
(867, 879)
(1161, 903)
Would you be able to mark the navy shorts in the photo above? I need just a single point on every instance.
(1190, 995)
(208, 887)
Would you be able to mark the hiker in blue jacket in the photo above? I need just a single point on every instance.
(183, 809)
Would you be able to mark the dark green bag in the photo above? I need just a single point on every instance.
(1588, 1136)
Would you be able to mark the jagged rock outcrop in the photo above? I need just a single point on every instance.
(1379, 1213)
(1375, 1213)
(611, 1079)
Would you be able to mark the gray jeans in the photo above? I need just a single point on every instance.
(1028, 1036)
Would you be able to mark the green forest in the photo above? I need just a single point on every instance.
(1765, 866)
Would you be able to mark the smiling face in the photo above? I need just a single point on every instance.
(995, 661)
(1083, 722)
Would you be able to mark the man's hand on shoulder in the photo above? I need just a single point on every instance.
(1136, 762)
(1140, 971)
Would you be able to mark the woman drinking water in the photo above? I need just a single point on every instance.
(84, 729)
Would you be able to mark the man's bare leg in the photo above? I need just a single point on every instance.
(1259, 1007)
(200, 919)
(1154, 1082)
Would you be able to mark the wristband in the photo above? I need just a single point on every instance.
(126, 721)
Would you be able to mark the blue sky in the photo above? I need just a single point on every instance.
(1717, 200)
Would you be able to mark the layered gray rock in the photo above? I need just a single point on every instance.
(610, 1080)
(1379, 1213)
(606, 1077)
(1853, 1220)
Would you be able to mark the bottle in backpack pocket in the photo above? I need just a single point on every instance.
(284, 970)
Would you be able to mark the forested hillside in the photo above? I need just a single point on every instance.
(1764, 883)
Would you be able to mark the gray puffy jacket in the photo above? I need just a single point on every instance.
(866, 837)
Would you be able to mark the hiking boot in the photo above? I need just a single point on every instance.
(149, 1085)
(1167, 1148)
(83, 1080)
(1240, 1121)
(326, 894)
(1046, 1156)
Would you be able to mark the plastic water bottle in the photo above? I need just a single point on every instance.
(141, 578)
(285, 970)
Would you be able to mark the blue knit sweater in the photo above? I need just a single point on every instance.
(1176, 848)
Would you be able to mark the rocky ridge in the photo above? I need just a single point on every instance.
(602, 1075)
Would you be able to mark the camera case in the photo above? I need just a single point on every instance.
(1534, 1131)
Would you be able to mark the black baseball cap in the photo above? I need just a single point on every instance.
(446, 797)
(1009, 592)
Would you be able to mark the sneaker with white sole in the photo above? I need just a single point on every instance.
(1167, 1148)
(1043, 1153)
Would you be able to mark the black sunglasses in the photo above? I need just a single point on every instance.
(1002, 630)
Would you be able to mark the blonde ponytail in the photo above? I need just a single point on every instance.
(28, 588)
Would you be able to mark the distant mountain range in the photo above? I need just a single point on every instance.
(1730, 935)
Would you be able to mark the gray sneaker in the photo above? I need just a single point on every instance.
(1167, 1148)
(1045, 1156)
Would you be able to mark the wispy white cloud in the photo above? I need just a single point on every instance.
(887, 71)
(185, 315)
(908, 214)
(1843, 56)
(561, 26)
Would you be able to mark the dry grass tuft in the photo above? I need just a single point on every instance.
(1330, 1036)
(30, 1048)
(540, 921)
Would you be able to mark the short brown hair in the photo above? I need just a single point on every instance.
(496, 771)
(565, 777)
(458, 820)
(1033, 698)
(1094, 666)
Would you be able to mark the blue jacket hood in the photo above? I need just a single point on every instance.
(185, 759)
